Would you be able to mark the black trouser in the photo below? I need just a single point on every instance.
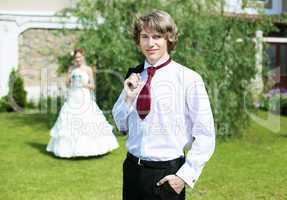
(139, 179)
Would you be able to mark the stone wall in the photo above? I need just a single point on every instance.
(38, 53)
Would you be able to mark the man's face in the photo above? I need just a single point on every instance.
(153, 45)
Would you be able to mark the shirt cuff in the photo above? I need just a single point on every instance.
(187, 174)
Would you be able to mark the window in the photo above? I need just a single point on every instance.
(283, 59)
(257, 4)
(277, 53)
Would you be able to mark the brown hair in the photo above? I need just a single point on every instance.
(158, 21)
(79, 50)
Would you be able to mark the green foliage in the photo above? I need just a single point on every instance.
(263, 102)
(64, 62)
(274, 101)
(281, 18)
(31, 105)
(16, 89)
(4, 105)
(16, 100)
(50, 107)
(220, 48)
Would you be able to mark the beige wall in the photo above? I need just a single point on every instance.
(34, 5)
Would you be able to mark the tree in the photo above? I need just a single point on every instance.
(220, 48)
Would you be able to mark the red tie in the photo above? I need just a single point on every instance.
(144, 100)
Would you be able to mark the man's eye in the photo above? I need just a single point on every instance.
(156, 36)
(144, 36)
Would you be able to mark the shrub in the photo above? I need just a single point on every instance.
(16, 100)
(51, 106)
(275, 101)
(4, 105)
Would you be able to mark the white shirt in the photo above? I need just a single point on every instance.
(180, 118)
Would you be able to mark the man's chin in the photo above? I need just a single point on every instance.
(153, 59)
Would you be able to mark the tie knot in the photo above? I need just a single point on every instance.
(151, 71)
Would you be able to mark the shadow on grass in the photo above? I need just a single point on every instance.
(42, 149)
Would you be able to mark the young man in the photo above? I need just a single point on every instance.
(165, 109)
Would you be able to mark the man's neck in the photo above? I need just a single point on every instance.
(159, 61)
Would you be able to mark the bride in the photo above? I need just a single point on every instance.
(81, 128)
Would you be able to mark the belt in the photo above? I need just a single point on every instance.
(156, 164)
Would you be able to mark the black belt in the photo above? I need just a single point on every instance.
(156, 164)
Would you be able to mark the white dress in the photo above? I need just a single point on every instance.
(81, 128)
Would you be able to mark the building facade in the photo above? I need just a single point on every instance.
(28, 43)
(275, 44)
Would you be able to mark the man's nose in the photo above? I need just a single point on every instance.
(150, 41)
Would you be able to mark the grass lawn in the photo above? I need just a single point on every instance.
(253, 167)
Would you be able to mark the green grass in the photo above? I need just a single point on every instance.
(253, 167)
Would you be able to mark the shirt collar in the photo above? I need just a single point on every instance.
(159, 62)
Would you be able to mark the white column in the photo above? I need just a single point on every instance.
(8, 53)
(257, 82)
